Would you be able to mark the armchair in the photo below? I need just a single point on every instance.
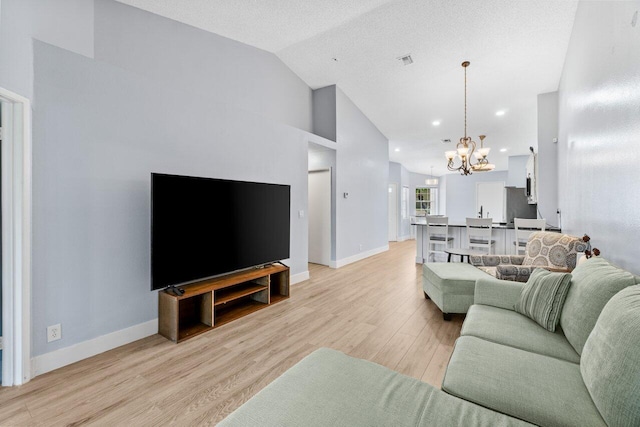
(546, 249)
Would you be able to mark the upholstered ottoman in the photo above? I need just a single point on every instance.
(450, 285)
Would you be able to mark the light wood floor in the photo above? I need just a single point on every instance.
(373, 309)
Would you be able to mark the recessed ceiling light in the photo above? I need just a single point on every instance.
(500, 113)
(436, 123)
(503, 150)
(396, 150)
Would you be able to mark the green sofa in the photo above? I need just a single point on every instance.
(505, 370)
(576, 376)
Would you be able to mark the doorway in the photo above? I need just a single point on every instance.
(15, 183)
(393, 212)
(320, 216)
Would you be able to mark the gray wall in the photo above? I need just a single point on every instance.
(599, 107)
(64, 23)
(363, 172)
(517, 173)
(100, 128)
(548, 157)
(324, 112)
(207, 66)
(461, 193)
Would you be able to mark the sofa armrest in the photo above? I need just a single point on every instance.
(497, 293)
(495, 260)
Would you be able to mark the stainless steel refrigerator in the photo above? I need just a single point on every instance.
(516, 204)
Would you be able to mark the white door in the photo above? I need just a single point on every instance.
(490, 199)
(320, 217)
(393, 212)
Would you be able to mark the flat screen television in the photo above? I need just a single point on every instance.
(204, 227)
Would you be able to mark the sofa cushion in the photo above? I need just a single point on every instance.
(516, 273)
(542, 297)
(539, 389)
(328, 388)
(452, 277)
(515, 330)
(593, 283)
(451, 286)
(610, 362)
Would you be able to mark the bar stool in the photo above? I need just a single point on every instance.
(437, 234)
(479, 233)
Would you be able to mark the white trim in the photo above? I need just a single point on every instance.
(357, 257)
(300, 277)
(16, 244)
(403, 238)
(74, 353)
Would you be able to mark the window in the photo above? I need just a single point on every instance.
(426, 201)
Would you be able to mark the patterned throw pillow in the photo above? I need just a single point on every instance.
(550, 249)
(543, 296)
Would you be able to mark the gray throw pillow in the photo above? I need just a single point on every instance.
(543, 296)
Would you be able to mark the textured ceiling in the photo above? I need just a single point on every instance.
(516, 49)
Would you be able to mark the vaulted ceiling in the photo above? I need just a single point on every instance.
(516, 49)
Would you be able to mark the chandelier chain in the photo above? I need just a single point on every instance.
(465, 102)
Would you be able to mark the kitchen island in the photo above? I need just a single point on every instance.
(502, 233)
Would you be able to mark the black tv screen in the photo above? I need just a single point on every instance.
(204, 227)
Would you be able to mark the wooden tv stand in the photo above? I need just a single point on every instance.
(211, 303)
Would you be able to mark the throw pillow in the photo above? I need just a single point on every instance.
(543, 296)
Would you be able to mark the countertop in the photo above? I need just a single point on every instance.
(498, 225)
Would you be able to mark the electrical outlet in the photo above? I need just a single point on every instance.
(360, 247)
(54, 332)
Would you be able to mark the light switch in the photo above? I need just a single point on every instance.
(300, 213)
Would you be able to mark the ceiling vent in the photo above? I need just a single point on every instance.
(406, 59)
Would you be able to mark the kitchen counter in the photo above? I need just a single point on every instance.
(496, 225)
(502, 233)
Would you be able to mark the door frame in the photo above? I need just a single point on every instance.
(395, 204)
(330, 170)
(16, 238)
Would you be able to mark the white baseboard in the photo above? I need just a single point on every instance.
(357, 257)
(300, 277)
(74, 353)
(403, 238)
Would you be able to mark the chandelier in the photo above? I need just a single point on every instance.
(466, 148)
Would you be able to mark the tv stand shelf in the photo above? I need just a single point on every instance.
(211, 303)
